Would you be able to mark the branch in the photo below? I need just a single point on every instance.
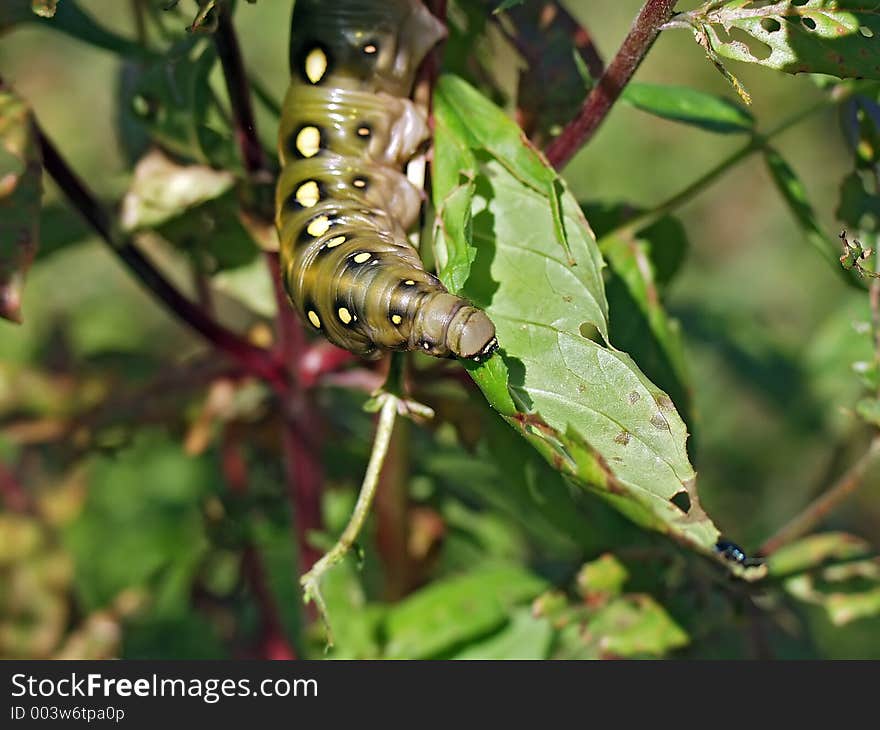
(255, 360)
(642, 34)
(238, 86)
(273, 642)
(821, 507)
(311, 580)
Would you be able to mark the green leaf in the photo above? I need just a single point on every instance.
(690, 106)
(193, 207)
(251, 285)
(858, 208)
(70, 20)
(536, 271)
(173, 99)
(456, 610)
(20, 193)
(832, 570)
(815, 550)
(869, 409)
(156, 523)
(507, 4)
(162, 190)
(639, 323)
(836, 37)
(635, 625)
(795, 195)
(603, 577)
(525, 637)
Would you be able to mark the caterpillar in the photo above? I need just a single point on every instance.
(343, 204)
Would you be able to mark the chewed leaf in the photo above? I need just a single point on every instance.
(20, 192)
(536, 269)
(837, 37)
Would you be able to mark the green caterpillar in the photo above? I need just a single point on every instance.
(343, 205)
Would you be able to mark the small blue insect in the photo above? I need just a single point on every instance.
(733, 552)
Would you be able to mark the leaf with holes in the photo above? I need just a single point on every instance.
(837, 37)
(20, 191)
(536, 270)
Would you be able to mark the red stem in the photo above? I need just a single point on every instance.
(303, 469)
(237, 85)
(642, 34)
(15, 498)
(255, 360)
(305, 478)
(273, 642)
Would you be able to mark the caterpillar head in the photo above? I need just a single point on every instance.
(469, 334)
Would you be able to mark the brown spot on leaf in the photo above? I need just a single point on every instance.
(658, 421)
(665, 402)
(622, 438)
(634, 397)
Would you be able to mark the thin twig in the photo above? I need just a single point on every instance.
(255, 360)
(311, 580)
(821, 507)
(642, 34)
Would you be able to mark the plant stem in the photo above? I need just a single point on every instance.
(304, 476)
(642, 34)
(821, 507)
(303, 470)
(311, 580)
(755, 144)
(238, 86)
(254, 360)
(273, 642)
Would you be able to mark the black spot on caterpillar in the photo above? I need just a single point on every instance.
(343, 204)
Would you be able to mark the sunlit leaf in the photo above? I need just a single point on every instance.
(690, 106)
(815, 550)
(537, 272)
(837, 37)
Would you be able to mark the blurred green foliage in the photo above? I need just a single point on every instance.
(121, 535)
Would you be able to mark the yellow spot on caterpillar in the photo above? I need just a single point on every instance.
(319, 226)
(359, 182)
(363, 131)
(308, 141)
(370, 48)
(362, 257)
(334, 242)
(396, 318)
(409, 282)
(308, 194)
(344, 315)
(316, 65)
(314, 318)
